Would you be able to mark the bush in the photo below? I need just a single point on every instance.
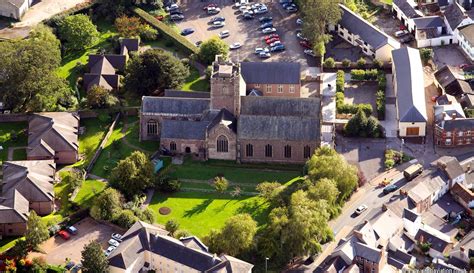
(346, 63)
(378, 63)
(364, 75)
(380, 102)
(340, 82)
(126, 219)
(329, 63)
(426, 54)
(167, 32)
(361, 62)
(389, 163)
(166, 184)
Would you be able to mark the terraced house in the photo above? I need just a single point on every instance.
(231, 125)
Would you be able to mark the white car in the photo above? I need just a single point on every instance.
(235, 46)
(260, 10)
(300, 36)
(114, 243)
(299, 21)
(218, 24)
(401, 33)
(213, 10)
(109, 250)
(224, 34)
(264, 55)
(309, 52)
(243, 8)
(172, 7)
(361, 209)
(259, 50)
(268, 30)
(117, 237)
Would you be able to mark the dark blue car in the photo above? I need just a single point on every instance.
(187, 31)
(277, 48)
(389, 189)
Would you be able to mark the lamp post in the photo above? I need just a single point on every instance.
(266, 264)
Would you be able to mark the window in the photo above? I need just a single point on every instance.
(468, 133)
(460, 133)
(152, 128)
(447, 141)
(173, 146)
(287, 151)
(280, 88)
(448, 134)
(224, 90)
(307, 151)
(222, 144)
(269, 88)
(292, 88)
(268, 150)
(257, 85)
(249, 150)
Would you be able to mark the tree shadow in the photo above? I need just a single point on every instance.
(198, 208)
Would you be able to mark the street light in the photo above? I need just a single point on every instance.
(266, 264)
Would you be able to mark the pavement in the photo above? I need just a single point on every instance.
(390, 123)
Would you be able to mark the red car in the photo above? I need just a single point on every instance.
(272, 40)
(64, 234)
(305, 44)
(210, 5)
(271, 36)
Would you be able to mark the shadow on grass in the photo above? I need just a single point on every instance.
(198, 208)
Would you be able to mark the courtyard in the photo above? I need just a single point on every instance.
(357, 92)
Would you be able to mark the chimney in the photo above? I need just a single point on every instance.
(453, 116)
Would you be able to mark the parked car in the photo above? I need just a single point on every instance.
(268, 30)
(235, 46)
(261, 10)
(300, 36)
(210, 6)
(299, 21)
(216, 19)
(256, 6)
(244, 8)
(248, 16)
(113, 242)
(259, 50)
(390, 188)
(274, 35)
(275, 43)
(292, 8)
(117, 237)
(413, 171)
(266, 25)
(272, 40)
(70, 265)
(406, 39)
(401, 33)
(198, 43)
(109, 250)
(72, 230)
(277, 48)
(361, 209)
(309, 52)
(265, 19)
(176, 17)
(187, 31)
(264, 55)
(218, 24)
(305, 44)
(172, 7)
(213, 10)
(176, 11)
(224, 34)
(64, 234)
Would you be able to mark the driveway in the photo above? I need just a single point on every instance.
(37, 13)
(246, 32)
(449, 55)
(56, 250)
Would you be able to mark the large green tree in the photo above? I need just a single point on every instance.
(78, 32)
(154, 71)
(36, 230)
(212, 47)
(132, 175)
(107, 205)
(99, 97)
(27, 74)
(93, 258)
(126, 219)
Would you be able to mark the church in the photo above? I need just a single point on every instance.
(238, 120)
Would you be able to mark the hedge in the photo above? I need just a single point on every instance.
(167, 31)
(364, 75)
(343, 108)
(340, 81)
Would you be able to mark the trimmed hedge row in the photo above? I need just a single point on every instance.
(343, 108)
(374, 75)
(340, 81)
(167, 31)
(364, 75)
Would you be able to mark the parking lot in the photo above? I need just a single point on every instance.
(56, 249)
(246, 32)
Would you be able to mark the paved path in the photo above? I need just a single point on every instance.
(93, 176)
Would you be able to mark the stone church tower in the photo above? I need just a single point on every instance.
(227, 86)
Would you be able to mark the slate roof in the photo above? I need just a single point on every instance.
(387, 225)
(184, 129)
(16, 3)
(180, 106)
(271, 72)
(463, 193)
(108, 82)
(468, 33)
(410, 85)
(276, 106)
(366, 31)
(406, 8)
(424, 189)
(450, 165)
(224, 117)
(129, 44)
(410, 215)
(367, 252)
(399, 258)
(454, 15)
(428, 22)
(14, 208)
(50, 132)
(430, 235)
(186, 94)
(446, 75)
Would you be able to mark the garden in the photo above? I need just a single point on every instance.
(13, 134)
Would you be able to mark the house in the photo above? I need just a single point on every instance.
(278, 79)
(103, 67)
(145, 247)
(453, 169)
(229, 125)
(410, 91)
(13, 214)
(462, 252)
(455, 17)
(405, 11)
(463, 195)
(448, 80)
(14, 8)
(401, 260)
(466, 40)
(53, 135)
(411, 221)
(439, 243)
(430, 31)
(424, 193)
(358, 32)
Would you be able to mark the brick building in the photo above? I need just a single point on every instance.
(226, 124)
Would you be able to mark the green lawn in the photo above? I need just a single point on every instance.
(19, 154)
(89, 189)
(194, 82)
(7, 243)
(69, 69)
(198, 213)
(95, 130)
(8, 138)
(133, 127)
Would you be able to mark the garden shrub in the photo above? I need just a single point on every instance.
(340, 81)
(346, 63)
(380, 103)
(378, 63)
(361, 62)
(166, 184)
(389, 163)
(329, 63)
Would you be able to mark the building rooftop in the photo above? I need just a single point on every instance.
(175, 106)
(454, 14)
(271, 72)
(407, 7)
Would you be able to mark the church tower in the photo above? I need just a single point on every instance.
(227, 86)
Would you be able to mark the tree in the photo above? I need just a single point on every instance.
(154, 71)
(28, 78)
(181, 234)
(112, 9)
(145, 215)
(172, 226)
(74, 178)
(126, 219)
(20, 249)
(220, 184)
(99, 97)
(268, 190)
(166, 184)
(107, 205)
(373, 127)
(426, 54)
(93, 258)
(212, 47)
(357, 124)
(235, 237)
(128, 27)
(132, 175)
(329, 63)
(327, 163)
(78, 32)
(36, 230)
(324, 189)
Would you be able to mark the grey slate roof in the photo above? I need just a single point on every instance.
(165, 105)
(454, 14)
(369, 253)
(443, 3)
(368, 32)
(428, 22)
(224, 117)
(458, 124)
(186, 94)
(399, 258)
(410, 85)
(271, 72)
(14, 208)
(290, 128)
(275, 106)
(451, 165)
(437, 244)
(406, 8)
(184, 129)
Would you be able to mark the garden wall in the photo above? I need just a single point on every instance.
(4, 118)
